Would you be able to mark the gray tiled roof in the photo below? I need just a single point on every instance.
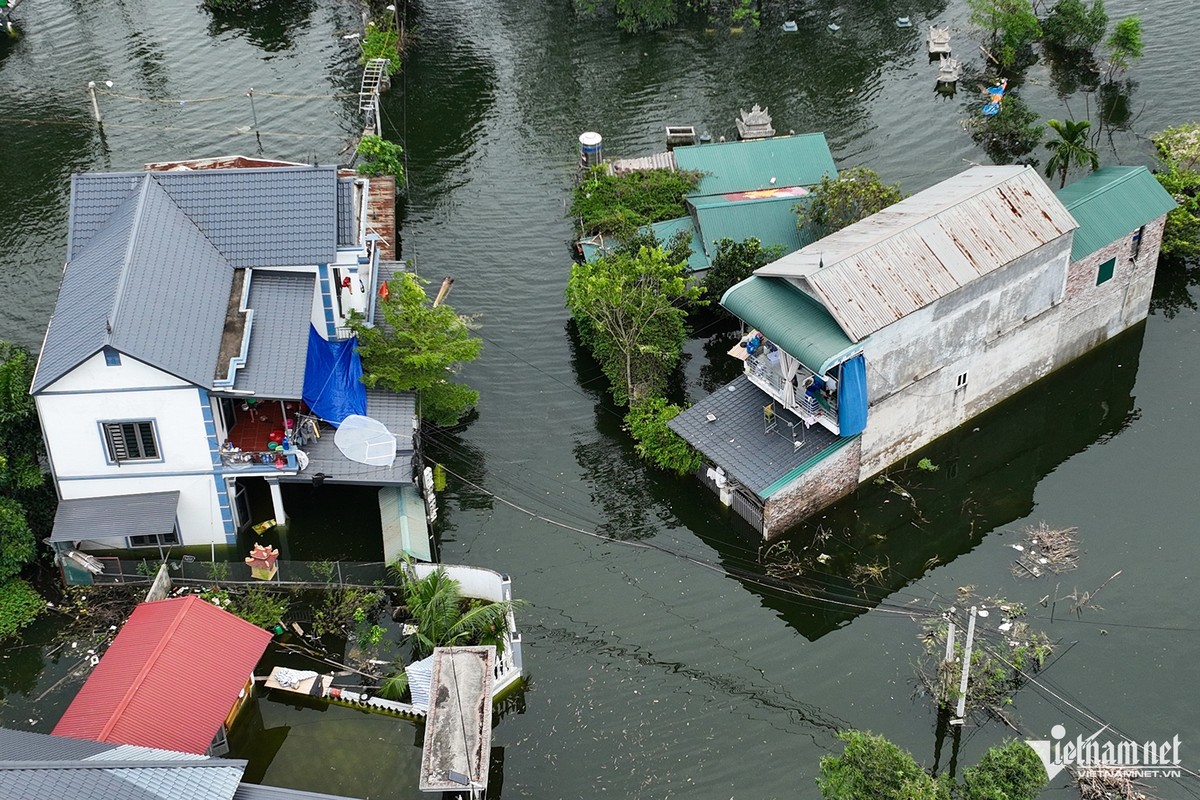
(737, 440)
(282, 303)
(396, 410)
(347, 231)
(115, 517)
(148, 284)
(36, 766)
(251, 791)
(277, 216)
(151, 254)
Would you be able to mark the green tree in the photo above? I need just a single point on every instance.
(871, 767)
(630, 310)
(1011, 25)
(1070, 149)
(1010, 135)
(380, 157)
(656, 442)
(733, 262)
(418, 348)
(1011, 771)
(1072, 26)
(618, 205)
(1179, 149)
(444, 618)
(837, 202)
(22, 486)
(1124, 45)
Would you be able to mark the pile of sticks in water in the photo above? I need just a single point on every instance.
(1111, 785)
(1046, 549)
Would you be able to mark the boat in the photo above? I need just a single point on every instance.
(995, 95)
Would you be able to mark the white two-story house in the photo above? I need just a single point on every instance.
(173, 371)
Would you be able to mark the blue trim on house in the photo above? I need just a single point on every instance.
(327, 301)
(214, 450)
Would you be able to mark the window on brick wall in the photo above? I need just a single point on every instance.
(1105, 272)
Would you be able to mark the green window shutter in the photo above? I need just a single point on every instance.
(1105, 272)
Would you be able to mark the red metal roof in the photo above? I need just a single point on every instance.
(169, 679)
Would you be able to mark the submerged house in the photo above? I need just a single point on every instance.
(175, 677)
(747, 189)
(198, 344)
(867, 345)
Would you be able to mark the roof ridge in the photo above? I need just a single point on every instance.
(118, 295)
(1120, 172)
(147, 665)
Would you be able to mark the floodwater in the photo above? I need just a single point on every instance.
(655, 675)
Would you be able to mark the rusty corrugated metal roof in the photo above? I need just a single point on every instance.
(890, 264)
(169, 679)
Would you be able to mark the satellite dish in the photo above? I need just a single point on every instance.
(366, 440)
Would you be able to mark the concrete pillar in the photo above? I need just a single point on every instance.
(277, 502)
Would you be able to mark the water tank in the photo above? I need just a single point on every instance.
(591, 148)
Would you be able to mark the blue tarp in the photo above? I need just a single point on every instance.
(852, 397)
(333, 387)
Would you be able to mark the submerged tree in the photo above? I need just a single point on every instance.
(630, 312)
(835, 203)
(1009, 136)
(444, 618)
(1125, 45)
(419, 348)
(733, 262)
(1070, 149)
(1012, 27)
(1071, 26)
(1179, 149)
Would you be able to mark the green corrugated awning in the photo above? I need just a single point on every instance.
(791, 319)
(758, 164)
(1112, 203)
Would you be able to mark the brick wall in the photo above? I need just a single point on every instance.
(821, 485)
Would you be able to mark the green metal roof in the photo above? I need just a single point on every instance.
(772, 221)
(1111, 203)
(599, 246)
(791, 319)
(744, 166)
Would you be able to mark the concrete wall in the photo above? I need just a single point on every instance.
(826, 482)
(1000, 331)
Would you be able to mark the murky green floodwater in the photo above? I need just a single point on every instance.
(653, 676)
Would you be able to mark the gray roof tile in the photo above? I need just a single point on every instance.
(347, 231)
(737, 440)
(282, 303)
(36, 766)
(251, 791)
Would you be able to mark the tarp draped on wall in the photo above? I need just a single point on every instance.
(852, 397)
(333, 387)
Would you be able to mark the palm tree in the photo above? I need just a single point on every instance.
(1069, 149)
(444, 618)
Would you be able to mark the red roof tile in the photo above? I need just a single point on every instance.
(169, 679)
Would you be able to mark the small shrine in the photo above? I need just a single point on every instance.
(754, 124)
(262, 562)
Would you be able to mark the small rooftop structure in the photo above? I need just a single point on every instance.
(892, 263)
(458, 730)
(171, 678)
(755, 123)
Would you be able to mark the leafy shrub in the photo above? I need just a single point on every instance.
(837, 202)
(380, 157)
(733, 262)
(656, 442)
(381, 41)
(19, 606)
(1179, 148)
(260, 606)
(1072, 26)
(1011, 771)
(619, 204)
(872, 767)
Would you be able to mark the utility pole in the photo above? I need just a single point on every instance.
(966, 670)
(948, 681)
(91, 89)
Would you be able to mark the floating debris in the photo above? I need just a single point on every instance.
(834, 27)
(1045, 550)
(903, 22)
(790, 26)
